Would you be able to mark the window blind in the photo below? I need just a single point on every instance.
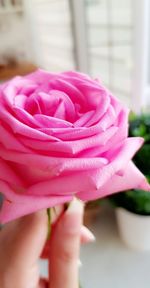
(51, 29)
(110, 29)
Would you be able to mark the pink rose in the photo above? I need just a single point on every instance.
(62, 135)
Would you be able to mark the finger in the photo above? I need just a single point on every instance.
(86, 236)
(43, 283)
(32, 234)
(25, 238)
(21, 243)
(65, 246)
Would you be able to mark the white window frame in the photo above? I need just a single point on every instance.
(80, 36)
(141, 56)
(140, 94)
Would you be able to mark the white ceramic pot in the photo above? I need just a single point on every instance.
(134, 229)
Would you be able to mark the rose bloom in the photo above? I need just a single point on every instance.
(62, 135)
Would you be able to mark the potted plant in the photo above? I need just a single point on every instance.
(133, 207)
(140, 126)
(133, 218)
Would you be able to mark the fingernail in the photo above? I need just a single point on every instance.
(87, 234)
(73, 217)
(76, 206)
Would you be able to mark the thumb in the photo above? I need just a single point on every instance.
(65, 247)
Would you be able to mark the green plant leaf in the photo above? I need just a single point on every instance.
(136, 201)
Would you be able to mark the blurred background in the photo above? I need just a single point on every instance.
(110, 40)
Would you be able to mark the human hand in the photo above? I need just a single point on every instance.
(22, 242)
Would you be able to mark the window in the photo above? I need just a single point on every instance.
(51, 32)
(109, 32)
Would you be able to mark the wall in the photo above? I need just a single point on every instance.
(13, 34)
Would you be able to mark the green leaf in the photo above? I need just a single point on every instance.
(136, 201)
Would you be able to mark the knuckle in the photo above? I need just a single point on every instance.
(67, 256)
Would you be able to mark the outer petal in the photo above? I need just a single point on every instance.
(119, 159)
(64, 185)
(7, 174)
(131, 179)
(26, 205)
(47, 163)
(40, 76)
(12, 88)
(9, 141)
(72, 147)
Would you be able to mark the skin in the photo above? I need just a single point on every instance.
(23, 241)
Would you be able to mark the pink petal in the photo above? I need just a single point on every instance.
(60, 111)
(7, 174)
(100, 112)
(51, 122)
(84, 119)
(32, 104)
(131, 179)
(9, 141)
(21, 128)
(68, 106)
(12, 88)
(74, 74)
(72, 147)
(13, 210)
(40, 76)
(120, 134)
(47, 163)
(64, 185)
(25, 117)
(74, 93)
(28, 89)
(119, 159)
(75, 133)
(20, 101)
(93, 141)
(60, 147)
(107, 119)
